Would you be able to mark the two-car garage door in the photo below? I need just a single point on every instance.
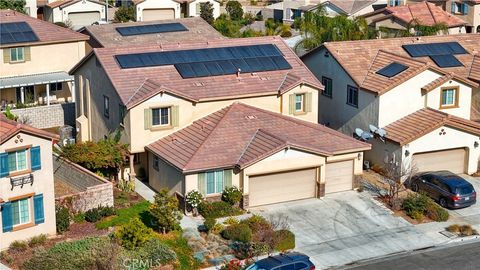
(80, 19)
(453, 160)
(158, 14)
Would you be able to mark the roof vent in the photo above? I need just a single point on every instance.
(264, 78)
(199, 84)
(250, 117)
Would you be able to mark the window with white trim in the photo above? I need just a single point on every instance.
(449, 97)
(17, 54)
(17, 161)
(299, 102)
(161, 116)
(21, 211)
(215, 182)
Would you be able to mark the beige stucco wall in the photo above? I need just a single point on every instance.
(155, 4)
(43, 184)
(167, 176)
(473, 16)
(192, 8)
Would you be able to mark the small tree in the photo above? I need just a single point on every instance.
(206, 12)
(133, 234)
(234, 10)
(124, 14)
(17, 5)
(395, 175)
(165, 212)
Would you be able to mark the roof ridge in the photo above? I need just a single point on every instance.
(431, 12)
(259, 130)
(370, 67)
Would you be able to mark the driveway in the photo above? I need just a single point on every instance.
(346, 227)
(470, 214)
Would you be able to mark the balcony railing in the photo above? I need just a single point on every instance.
(21, 181)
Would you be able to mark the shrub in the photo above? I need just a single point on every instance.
(165, 212)
(194, 198)
(133, 234)
(62, 216)
(466, 230)
(78, 218)
(217, 228)
(231, 221)
(415, 203)
(209, 223)
(37, 240)
(18, 245)
(234, 10)
(232, 195)
(217, 209)
(417, 215)
(124, 14)
(256, 222)
(95, 214)
(206, 12)
(238, 232)
(454, 228)
(285, 240)
(436, 212)
(154, 251)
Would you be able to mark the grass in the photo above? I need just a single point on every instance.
(175, 241)
(124, 215)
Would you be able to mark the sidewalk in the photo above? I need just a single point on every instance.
(3, 267)
(144, 190)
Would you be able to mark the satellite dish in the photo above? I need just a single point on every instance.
(359, 132)
(373, 128)
(381, 132)
(366, 136)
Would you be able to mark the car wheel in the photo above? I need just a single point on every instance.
(442, 202)
(415, 187)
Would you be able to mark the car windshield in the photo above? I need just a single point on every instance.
(254, 267)
(462, 190)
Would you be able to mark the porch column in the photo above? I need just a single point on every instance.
(72, 90)
(47, 86)
(22, 94)
(132, 169)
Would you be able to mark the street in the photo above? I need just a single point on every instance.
(459, 257)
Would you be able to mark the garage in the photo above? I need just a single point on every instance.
(83, 18)
(339, 176)
(158, 14)
(453, 160)
(281, 187)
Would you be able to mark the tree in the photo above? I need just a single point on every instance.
(206, 12)
(234, 10)
(416, 28)
(17, 5)
(273, 28)
(165, 212)
(133, 234)
(124, 14)
(227, 27)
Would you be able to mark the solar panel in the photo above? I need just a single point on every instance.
(151, 29)
(16, 32)
(185, 71)
(445, 61)
(429, 49)
(392, 69)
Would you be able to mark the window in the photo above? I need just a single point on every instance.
(299, 102)
(352, 96)
(121, 113)
(215, 182)
(327, 82)
(106, 106)
(21, 211)
(136, 158)
(395, 3)
(449, 98)
(17, 54)
(56, 86)
(156, 162)
(161, 116)
(17, 161)
(197, 8)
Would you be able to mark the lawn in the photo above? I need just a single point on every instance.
(124, 215)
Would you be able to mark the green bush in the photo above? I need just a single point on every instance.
(95, 214)
(79, 218)
(285, 240)
(155, 251)
(232, 195)
(209, 223)
(62, 216)
(231, 221)
(415, 203)
(165, 212)
(37, 240)
(417, 215)
(18, 245)
(133, 234)
(256, 222)
(238, 232)
(217, 229)
(217, 209)
(436, 212)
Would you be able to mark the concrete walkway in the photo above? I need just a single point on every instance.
(3, 267)
(144, 190)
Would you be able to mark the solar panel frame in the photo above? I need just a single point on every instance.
(429, 49)
(392, 69)
(185, 70)
(446, 61)
(16, 32)
(151, 29)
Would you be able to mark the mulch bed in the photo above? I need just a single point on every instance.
(123, 199)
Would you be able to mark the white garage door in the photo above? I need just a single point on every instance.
(158, 14)
(281, 187)
(452, 160)
(339, 176)
(80, 19)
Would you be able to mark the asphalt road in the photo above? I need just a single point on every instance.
(458, 257)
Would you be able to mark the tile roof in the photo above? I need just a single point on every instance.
(436, 83)
(424, 121)
(9, 128)
(137, 84)
(46, 32)
(107, 36)
(361, 58)
(240, 135)
(352, 6)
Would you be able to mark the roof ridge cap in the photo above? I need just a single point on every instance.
(370, 67)
(430, 11)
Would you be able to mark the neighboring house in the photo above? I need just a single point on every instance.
(31, 8)
(403, 18)
(27, 201)
(379, 82)
(107, 35)
(149, 92)
(272, 157)
(78, 13)
(153, 10)
(32, 73)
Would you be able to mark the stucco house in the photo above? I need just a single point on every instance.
(32, 71)
(423, 90)
(272, 157)
(78, 13)
(153, 10)
(400, 18)
(27, 201)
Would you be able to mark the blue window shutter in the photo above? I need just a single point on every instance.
(38, 209)
(465, 8)
(453, 7)
(7, 224)
(4, 165)
(35, 158)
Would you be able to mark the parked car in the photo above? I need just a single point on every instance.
(445, 187)
(285, 261)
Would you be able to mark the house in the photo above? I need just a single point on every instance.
(423, 90)
(113, 35)
(153, 10)
(27, 201)
(149, 92)
(32, 71)
(403, 18)
(272, 157)
(77, 13)
(31, 8)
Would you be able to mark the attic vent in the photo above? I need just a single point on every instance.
(264, 78)
(250, 117)
(199, 84)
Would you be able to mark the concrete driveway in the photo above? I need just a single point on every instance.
(470, 214)
(345, 227)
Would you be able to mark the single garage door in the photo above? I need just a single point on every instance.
(158, 14)
(339, 176)
(80, 19)
(453, 160)
(281, 187)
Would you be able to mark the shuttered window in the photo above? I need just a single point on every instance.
(21, 211)
(158, 117)
(214, 182)
(300, 103)
(39, 214)
(17, 54)
(17, 161)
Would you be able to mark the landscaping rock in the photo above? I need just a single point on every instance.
(221, 260)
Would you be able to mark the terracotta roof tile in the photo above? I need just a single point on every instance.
(436, 83)
(475, 70)
(424, 13)
(424, 121)
(9, 128)
(239, 135)
(64, 3)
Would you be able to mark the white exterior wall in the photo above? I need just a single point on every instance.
(457, 30)
(154, 4)
(31, 6)
(464, 101)
(192, 8)
(61, 15)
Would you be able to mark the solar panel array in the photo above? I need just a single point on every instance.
(441, 53)
(151, 29)
(16, 32)
(212, 61)
(392, 69)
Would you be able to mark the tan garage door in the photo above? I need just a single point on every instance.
(80, 19)
(158, 14)
(281, 187)
(452, 160)
(339, 176)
